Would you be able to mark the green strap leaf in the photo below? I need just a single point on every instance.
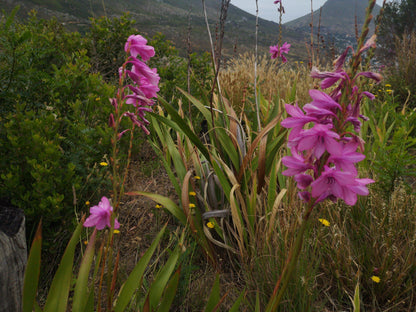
(31, 279)
(134, 280)
(162, 278)
(81, 288)
(166, 202)
(58, 293)
(170, 292)
(214, 297)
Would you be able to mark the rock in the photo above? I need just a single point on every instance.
(13, 257)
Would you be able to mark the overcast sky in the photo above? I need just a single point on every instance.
(293, 8)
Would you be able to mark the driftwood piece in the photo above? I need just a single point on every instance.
(13, 257)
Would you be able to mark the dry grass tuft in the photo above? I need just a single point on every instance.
(274, 80)
(374, 238)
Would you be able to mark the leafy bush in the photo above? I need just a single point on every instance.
(391, 148)
(28, 52)
(54, 130)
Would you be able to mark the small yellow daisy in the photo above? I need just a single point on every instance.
(387, 85)
(389, 91)
(192, 194)
(375, 279)
(87, 203)
(158, 206)
(97, 99)
(324, 222)
(116, 232)
(197, 177)
(103, 163)
(192, 206)
(301, 62)
(210, 225)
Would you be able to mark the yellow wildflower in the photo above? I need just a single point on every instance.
(301, 62)
(387, 85)
(116, 232)
(103, 163)
(85, 242)
(210, 225)
(375, 279)
(324, 222)
(389, 91)
(87, 203)
(158, 206)
(197, 177)
(192, 194)
(192, 206)
(97, 98)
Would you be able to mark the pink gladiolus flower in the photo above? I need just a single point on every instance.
(331, 183)
(296, 165)
(329, 78)
(303, 180)
(323, 100)
(142, 70)
(343, 156)
(277, 51)
(371, 43)
(100, 215)
(136, 45)
(334, 183)
(297, 121)
(318, 139)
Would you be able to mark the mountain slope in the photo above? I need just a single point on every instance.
(338, 17)
(172, 18)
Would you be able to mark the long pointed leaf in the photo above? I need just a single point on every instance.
(135, 278)
(237, 303)
(57, 300)
(81, 288)
(214, 296)
(162, 278)
(170, 292)
(165, 202)
(30, 285)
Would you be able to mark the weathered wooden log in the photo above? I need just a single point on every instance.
(13, 257)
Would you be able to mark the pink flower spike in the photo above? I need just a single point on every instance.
(297, 121)
(333, 182)
(369, 95)
(318, 139)
(277, 1)
(344, 156)
(371, 43)
(100, 215)
(136, 45)
(303, 180)
(277, 51)
(323, 100)
(296, 165)
(339, 62)
(329, 78)
(375, 76)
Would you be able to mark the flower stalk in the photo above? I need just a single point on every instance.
(324, 153)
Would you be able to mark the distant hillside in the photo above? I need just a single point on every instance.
(337, 19)
(171, 17)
